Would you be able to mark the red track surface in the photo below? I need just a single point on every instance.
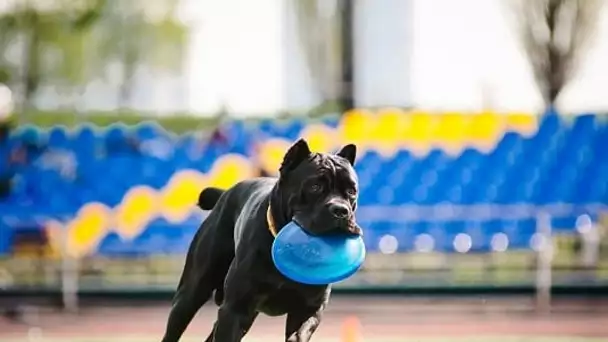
(385, 317)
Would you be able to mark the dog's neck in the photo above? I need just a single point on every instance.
(276, 215)
(270, 221)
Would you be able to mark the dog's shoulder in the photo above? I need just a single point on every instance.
(250, 198)
(248, 194)
(252, 187)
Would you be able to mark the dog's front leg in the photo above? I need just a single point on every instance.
(302, 324)
(238, 311)
(233, 323)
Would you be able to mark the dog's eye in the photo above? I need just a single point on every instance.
(315, 188)
(351, 192)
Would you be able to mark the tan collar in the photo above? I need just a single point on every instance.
(271, 227)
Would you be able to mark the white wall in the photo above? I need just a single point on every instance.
(435, 54)
(236, 56)
(383, 52)
(452, 55)
(465, 45)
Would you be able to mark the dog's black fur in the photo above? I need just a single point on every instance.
(230, 253)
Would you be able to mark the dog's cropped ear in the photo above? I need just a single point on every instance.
(349, 152)
(296, 154)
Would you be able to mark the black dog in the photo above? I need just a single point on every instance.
(230, 253)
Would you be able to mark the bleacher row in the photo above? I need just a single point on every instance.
(407, 160)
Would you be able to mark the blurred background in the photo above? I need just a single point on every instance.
(483, 162)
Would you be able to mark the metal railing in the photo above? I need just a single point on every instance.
(571, 259)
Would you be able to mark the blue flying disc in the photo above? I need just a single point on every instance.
(316, 260)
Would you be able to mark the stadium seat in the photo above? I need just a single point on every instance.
(545, 160)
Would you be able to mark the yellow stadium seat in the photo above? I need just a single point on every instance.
(418, 134)
(88, 229)
(355, 127)
(485, 128)
(450, 131)
(389, 130)
(271, 154)
(179, 197)
(320, 138)
(229, 170)
(137, 209)
(523, 123)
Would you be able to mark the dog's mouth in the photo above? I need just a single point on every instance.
(350, 228)
(354, 229)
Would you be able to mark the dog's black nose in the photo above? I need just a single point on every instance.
(339, 210)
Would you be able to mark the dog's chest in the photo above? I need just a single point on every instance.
(278, 302)
(284, 300)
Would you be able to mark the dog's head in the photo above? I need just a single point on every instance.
(320, 189)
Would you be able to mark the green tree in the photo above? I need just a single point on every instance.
(318, 28)
(555, 35)
(68, 43)
(141, 34)
(46, 38)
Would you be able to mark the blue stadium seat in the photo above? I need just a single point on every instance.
(148, 131)
(564, 162)
(58, 137)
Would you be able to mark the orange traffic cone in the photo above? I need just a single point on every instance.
(351, 330)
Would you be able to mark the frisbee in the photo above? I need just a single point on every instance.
(316, 260)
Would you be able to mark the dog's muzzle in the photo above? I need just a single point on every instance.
(339, 211)
(354, 229)
(343, 216)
